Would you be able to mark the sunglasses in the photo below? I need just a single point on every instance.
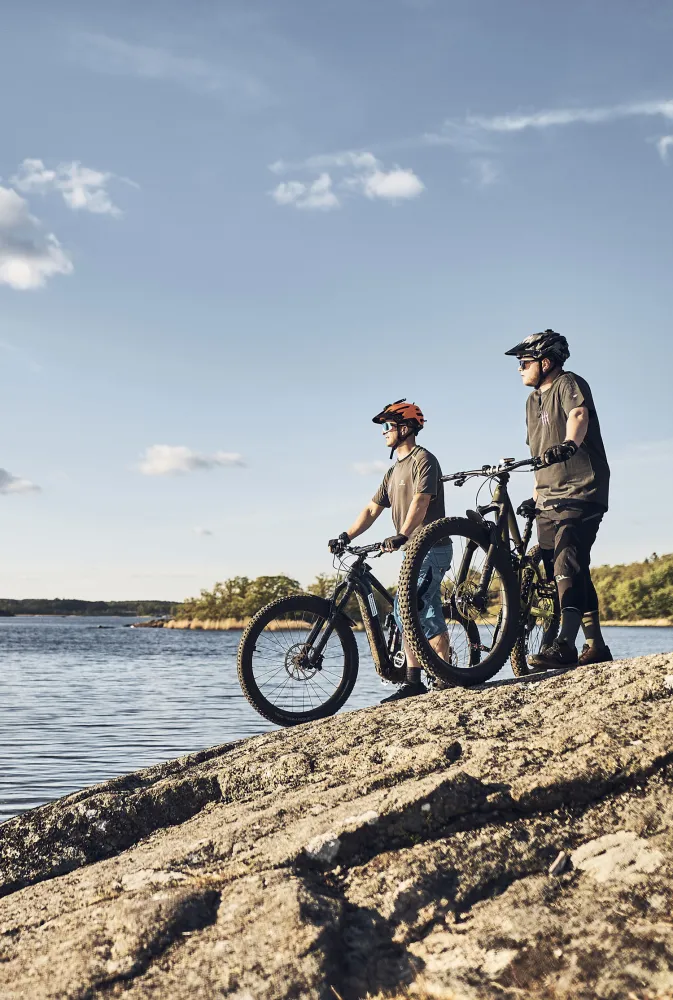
(387, 427)
(525, 362)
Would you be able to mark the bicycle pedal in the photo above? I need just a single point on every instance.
(400, 658)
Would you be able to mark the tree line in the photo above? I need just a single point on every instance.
(625, 592)
(636, 590)
(71, 606)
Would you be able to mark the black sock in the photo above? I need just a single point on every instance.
(591, 627)
(413, 675)
(571, 619)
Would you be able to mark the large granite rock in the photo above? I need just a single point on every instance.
(512, 841)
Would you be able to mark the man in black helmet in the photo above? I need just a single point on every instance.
(571, 491)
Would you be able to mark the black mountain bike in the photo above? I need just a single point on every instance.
(494, 586)
(298, 659)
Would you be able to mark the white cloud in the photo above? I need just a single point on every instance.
(663, 146)
(170, 460)
(14, 484)
(203, 532)
(571, 116)
(28, 254)
(371, 468)
(107, 54)
(360, 173)
(318, 194)
(81, 187)
(392, 185)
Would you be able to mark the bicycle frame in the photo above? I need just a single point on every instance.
(360, 581)
(504, 531)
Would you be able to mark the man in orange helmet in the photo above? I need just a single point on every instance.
(413, 490)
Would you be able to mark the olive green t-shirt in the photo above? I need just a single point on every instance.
(419, 472)
(585, 476)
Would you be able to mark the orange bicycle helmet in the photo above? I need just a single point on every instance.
(401, 412)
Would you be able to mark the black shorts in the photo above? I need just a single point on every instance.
(566, 535)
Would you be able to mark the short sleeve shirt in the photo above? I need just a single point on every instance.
(418, 472)
(585, 476)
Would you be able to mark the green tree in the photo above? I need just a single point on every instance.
(265, 589)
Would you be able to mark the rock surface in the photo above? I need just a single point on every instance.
(511, 841)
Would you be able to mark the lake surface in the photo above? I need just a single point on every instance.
(80, 703)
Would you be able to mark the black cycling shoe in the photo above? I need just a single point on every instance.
(406, 691)
(594, 654)
(559, 654)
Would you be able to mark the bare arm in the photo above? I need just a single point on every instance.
(577, 425)
(365, 519)
(417, 511)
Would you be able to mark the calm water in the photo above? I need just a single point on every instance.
(80, 703)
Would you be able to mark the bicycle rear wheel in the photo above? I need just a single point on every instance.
(487, 620)
(274, 670)
(540, 610)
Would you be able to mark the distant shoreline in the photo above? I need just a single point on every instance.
(234, 624)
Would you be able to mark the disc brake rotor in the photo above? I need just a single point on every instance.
(464, 596)
(297, 664)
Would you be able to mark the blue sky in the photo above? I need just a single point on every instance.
(230, 232)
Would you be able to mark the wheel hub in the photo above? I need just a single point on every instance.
(297, 664)
(470, 604)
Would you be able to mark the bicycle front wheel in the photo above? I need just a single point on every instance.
(481, 589)
(279, 676)
(540, 612)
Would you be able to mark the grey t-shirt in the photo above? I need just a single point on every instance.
(419, 472)
(585, 476)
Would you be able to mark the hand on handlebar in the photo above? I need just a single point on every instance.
(560, 452)
(394, 542)
(337, 545)
(527, 508)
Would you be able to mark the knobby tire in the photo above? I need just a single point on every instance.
(522, 647)
(491, 660)
(311, 605)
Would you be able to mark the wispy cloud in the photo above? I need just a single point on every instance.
(664, 144)
(377, 467)
(172, 460)
(203, 532)
(357, 159)
(14, 484)
(318, 194)
(80, 186)
(483, 172)
(28, 254)
(517, 122)
(107, 54)
(359, 173)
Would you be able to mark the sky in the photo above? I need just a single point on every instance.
(230, 232)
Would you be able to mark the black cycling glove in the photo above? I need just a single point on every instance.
(337, 545)
(527, 508)
(394, 542)
(560, 452)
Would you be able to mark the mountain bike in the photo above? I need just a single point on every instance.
(298, 658)
(494, 586)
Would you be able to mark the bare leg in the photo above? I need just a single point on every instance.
(441, 646)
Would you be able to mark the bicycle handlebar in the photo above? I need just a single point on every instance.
(363, 550)
(506, 465)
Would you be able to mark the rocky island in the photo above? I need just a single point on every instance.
(512, 841)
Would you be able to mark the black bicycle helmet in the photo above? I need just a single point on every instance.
(547, 344)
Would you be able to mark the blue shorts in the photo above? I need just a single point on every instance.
(433, 568)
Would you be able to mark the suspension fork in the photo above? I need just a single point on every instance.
(314, 652)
